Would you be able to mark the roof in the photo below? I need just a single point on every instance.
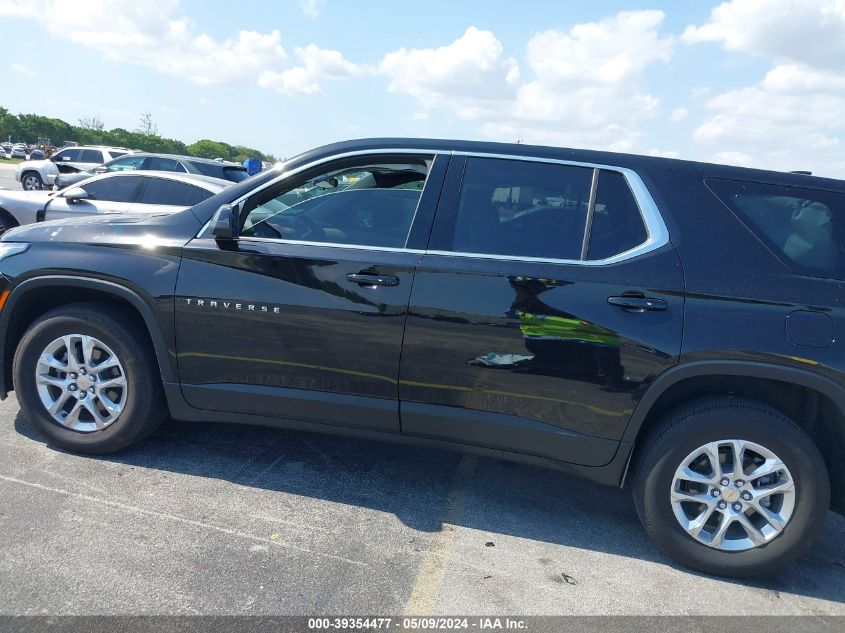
(193, 159)
(206, 182)
(631, 161)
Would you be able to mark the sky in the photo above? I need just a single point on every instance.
(745, 82)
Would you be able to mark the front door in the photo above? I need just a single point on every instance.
(302, 317)
(523, 335)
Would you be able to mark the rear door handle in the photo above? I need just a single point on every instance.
(638, 304)
(363, 279)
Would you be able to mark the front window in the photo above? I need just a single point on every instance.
(117, 189)
(130, 163)
(368, 203)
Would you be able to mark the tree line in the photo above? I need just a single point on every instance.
(29, 128)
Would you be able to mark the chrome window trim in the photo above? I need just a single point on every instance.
(658, 233)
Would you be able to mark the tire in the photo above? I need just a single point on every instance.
(140, 400)
(684, 431)
(31, 181)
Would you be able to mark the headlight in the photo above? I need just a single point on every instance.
(7, 249)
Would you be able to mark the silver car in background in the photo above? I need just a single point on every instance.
(116, 192)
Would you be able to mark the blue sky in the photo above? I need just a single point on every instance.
(757, 82)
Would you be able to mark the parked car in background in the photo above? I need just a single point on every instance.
(161, 162)
(127, 192)
(36, 174)
(37, 154)
(19, 151)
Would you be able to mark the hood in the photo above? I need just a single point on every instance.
(143, 230)
(35, 164)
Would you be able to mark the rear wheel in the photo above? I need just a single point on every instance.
(731, 487)
(87, 380)
(31, 181)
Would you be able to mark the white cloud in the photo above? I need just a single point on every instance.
(805, 31)
(316, 63)
(20, 68)
(150, 34)
(663, 153)
(293, 81)
(584, 87)
(679, 114)
(731, 158)
(791, 118)
(467, 76)
(312, 8)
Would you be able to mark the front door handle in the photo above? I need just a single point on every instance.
(638, 304)
(364, 279)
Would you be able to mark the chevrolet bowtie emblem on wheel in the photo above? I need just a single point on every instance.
(228, 304)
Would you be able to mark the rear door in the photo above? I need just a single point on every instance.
(549, 294)
(163, 195)
(302, 316)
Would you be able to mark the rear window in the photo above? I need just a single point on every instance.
(173, 193)
(804, 227)
(235, 174)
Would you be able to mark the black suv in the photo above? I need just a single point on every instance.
(665, 323)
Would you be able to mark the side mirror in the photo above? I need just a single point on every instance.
(225, 223)
(76, 194)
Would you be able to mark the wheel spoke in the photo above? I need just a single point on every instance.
(694, 497)
(769, 467)
(52, 362)
(772, 518)
(99, 419)
(88, 344)
(737, 453)
(53, 381)
(751, 530)
(118, 381)
(70, 345)
(719, 535)
(73, 415)
(59, 403)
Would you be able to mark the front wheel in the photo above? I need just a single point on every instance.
(31, 181)
(87, 378)
(731, 487)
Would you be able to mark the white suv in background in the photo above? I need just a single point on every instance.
(38, 174)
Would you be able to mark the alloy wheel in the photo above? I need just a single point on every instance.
(81, 382)
(733, 495)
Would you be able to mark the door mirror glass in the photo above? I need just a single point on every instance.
(225, 224)
(76, 194)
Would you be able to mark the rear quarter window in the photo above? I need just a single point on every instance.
(803, 227)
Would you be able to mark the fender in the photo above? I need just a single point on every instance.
(750, 369)
(168, 372)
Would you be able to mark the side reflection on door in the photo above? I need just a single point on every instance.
(557, 343)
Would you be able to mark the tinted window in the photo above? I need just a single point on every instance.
(126, 164)
(367, 205)
(617, 225)
(120, 189)
(804, 227)
(235, 174)
(162, 164)
(72, 154)
(92, 156)
(522, 208)
(209, 169)
(171, 192)
(115, 154)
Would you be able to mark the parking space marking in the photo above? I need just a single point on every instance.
(432, 571)
(174, 517)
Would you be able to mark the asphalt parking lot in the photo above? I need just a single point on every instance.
(7, 175)
(230, 519)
